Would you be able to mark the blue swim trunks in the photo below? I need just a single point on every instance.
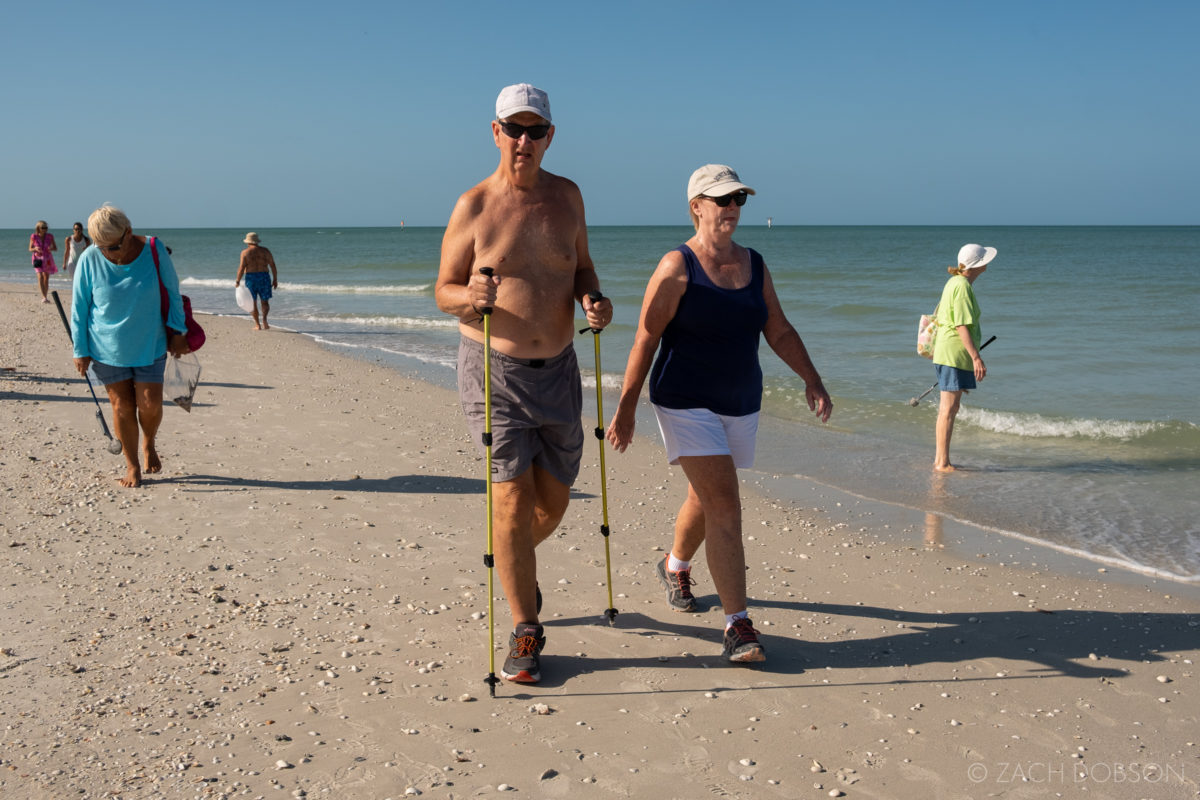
(259, 284)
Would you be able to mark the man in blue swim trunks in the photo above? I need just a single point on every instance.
(254, 265)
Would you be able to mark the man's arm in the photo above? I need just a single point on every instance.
(274, 271)
(586, 280)
(241, 269)
(455, 292)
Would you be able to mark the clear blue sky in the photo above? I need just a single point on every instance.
(260, 114)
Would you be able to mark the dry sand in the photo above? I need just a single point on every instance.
(296, 607)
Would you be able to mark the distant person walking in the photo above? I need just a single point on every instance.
(707, 303)
(956, 359)
(255, 262)
(74, 245)
(42, 246)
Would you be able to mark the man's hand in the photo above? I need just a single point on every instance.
(481, 291)
(599, 312)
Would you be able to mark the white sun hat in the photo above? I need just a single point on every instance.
(973, 256)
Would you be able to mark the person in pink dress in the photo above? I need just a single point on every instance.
(41, 244)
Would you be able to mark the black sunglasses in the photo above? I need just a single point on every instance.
(514, 131)
(117, 246)
(723, 200)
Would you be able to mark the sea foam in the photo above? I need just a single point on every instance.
(1038, 426)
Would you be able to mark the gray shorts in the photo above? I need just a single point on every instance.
(537, 409)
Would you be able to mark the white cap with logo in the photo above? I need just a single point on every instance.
(522, 97)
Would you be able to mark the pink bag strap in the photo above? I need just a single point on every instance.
(164, 298)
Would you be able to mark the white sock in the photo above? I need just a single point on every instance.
(674, 564)
(732, 618)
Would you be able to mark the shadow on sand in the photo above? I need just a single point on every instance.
(1057, 643)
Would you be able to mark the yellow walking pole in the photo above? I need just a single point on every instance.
(610, 613)
(488, 560)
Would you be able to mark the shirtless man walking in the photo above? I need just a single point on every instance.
(255, 262)
(528, 225)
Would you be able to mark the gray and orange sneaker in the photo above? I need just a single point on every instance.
(741, 643)
(523, 664)
(678, 586)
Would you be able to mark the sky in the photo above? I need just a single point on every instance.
(271, 114)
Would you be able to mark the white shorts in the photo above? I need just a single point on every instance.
(700, 432)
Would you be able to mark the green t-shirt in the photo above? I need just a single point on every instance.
(957, 307)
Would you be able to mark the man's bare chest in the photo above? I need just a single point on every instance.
(536, 240)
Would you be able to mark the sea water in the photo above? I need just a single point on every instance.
(1085, 435)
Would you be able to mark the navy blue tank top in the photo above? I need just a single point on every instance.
(708, 357)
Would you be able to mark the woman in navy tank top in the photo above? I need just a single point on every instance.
(705, 308)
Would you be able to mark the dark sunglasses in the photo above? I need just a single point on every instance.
(514, 131)
(121, 241)
(723, 200)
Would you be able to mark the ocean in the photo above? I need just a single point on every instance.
(1084, 437)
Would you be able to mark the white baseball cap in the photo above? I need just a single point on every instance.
(973, 256)
(715, 180)
(522, 97)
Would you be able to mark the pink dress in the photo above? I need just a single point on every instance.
(41, 249)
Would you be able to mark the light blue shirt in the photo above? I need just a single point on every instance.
(116, 309)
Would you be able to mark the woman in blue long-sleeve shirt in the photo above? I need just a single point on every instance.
(118, 328)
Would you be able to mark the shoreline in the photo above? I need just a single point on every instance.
(296, 607)
(902, 520)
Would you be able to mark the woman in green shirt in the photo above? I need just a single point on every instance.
(956, 357)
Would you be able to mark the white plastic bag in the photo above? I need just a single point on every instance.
(244, 299)
(180, 380)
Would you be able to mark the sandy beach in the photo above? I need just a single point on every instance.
(296, 607)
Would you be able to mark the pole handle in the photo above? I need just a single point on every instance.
(595, 297)
(487, 272)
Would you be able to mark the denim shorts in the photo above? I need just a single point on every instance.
(151, 373)
(953, 379)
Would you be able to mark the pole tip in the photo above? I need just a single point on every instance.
(114, 446)
(914, 402)
(611, 615)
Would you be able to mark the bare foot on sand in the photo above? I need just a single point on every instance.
(257, 327)
(133, 477)
(266, 327)
(153, 463)
(946, 468)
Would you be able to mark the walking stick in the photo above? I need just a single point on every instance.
(114, 445)
(610, 613)
(914, 402)
(488, 559)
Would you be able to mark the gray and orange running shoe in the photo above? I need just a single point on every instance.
(523, 664)
(741, 643)
(678, 585)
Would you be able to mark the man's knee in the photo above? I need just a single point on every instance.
(549, 517)
(516, 497)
